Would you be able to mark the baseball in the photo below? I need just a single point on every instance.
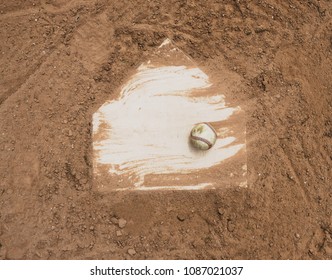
(203, 136)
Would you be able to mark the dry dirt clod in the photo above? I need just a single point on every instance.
(181, 218)
(230, 226)
(114, 221)
(131, 252)
(122, 223)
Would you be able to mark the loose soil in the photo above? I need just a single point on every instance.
(61, 60)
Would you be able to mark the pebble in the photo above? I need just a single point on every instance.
(114, 221)
(118, 233)
(297, 235)
(181, 218)
(230, 226)
(131, 252)
(122, 223)
(169, 209)
(220, 211)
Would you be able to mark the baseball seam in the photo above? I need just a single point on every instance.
(215, 133)
(207, 142)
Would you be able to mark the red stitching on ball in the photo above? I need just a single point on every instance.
(207, 142)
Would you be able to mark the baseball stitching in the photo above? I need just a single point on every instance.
(207, 142)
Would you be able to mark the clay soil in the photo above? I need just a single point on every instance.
(61, 60)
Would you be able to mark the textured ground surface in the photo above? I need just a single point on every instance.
(60, 60)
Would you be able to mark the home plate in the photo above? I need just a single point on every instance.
(141, 139)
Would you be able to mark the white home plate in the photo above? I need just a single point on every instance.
(141, 139)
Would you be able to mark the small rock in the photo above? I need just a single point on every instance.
(122, 223)
(169, 209)
(131, 252)
(92, 228)
(220, 211)
(230, 226)
(297, 235)
(118, 233)
(290, 177)
(181, 218)
(114, 221)
(70, 133)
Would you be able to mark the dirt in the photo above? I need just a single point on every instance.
(61, 60)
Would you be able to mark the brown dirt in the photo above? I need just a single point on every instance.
(60, 60)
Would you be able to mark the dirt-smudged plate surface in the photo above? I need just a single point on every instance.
(142, 136)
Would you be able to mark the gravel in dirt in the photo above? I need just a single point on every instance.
(131, 252)
(122, 223)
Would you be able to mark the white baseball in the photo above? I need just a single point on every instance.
(203, 136)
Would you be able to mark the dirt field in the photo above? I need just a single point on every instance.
(61, 60)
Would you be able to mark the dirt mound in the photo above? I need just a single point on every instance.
(61, 60)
